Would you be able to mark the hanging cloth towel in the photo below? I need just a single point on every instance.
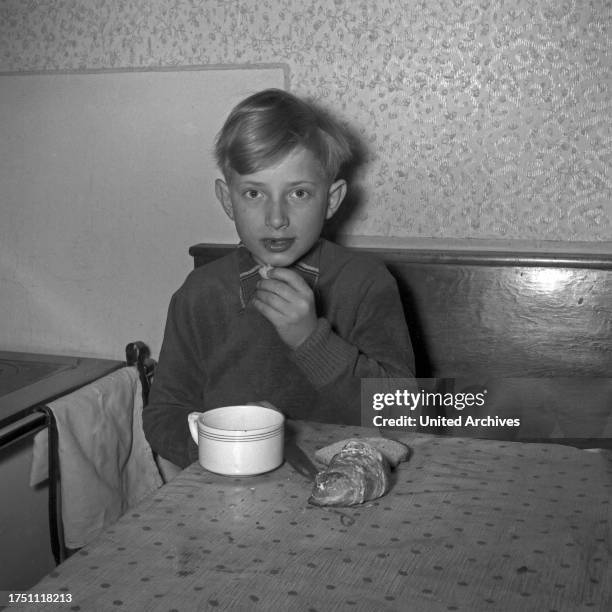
(105, 462)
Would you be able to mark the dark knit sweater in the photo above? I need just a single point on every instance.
(218, 350)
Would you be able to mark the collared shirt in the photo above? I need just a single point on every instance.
(307, 267)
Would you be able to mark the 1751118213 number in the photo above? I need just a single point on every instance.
(14, 598)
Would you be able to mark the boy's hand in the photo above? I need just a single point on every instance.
(286, 300)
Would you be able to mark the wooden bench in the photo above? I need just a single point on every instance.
(534, 329)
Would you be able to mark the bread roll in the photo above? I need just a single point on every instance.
(358, 473)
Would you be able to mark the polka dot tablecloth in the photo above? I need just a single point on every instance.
(468, 525)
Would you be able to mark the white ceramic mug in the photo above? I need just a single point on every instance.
(238, 440)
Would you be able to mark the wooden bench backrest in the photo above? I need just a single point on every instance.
(499, 314)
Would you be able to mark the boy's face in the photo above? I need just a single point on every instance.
(279, 211)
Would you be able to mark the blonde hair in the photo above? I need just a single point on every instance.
(267, 126)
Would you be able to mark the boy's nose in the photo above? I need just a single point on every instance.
(276, 215)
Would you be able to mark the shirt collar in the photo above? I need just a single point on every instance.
(307, 267)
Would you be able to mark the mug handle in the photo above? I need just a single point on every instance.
(192, 420)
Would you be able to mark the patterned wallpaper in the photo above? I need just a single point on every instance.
(480, 118)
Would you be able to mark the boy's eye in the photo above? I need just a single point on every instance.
(251, 194)
(300, 194)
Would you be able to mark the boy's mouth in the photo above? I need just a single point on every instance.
(278, 245)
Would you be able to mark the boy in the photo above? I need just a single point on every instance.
(288, 317)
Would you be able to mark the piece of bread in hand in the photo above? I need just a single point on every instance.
(393, 451)
(264, 270)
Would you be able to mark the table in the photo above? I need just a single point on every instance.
(468, 525)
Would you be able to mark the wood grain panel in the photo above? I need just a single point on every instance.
(507, 320)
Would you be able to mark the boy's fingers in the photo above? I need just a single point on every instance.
(281, 309)
(271, 299)
(291, 277)
(277, 287)
(272, 314)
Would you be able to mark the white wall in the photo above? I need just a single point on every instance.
(107, 179)
(485, 120)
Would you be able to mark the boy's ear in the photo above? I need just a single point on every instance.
(223, 195)
(336, 194)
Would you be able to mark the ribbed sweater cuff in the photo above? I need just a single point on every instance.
(324, 355)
